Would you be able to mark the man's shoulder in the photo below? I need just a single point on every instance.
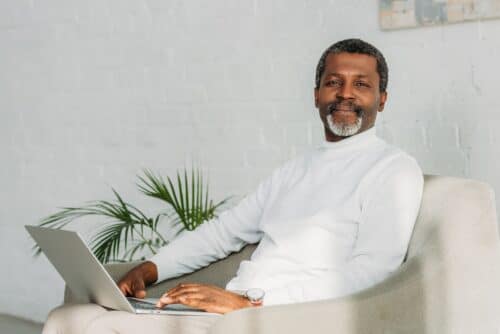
(392, 161)
(394, 169)
(392, 154)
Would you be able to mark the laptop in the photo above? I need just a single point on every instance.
(87, 278)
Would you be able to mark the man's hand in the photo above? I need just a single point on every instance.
(135, 281)
(206, 297)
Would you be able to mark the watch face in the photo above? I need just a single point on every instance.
(255, 294)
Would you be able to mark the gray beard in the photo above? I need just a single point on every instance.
(344, 130)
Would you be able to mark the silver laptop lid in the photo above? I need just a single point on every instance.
(80, 269)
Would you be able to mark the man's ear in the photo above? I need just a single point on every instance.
(316, 97)
(383, 99)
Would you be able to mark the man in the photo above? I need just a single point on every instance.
(329, 223)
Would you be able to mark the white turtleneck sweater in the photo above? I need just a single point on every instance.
(329, 223)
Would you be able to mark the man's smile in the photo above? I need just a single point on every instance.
(345, 111)
(344, 108)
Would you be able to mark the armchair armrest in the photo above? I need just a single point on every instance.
(418, 298)
(386, 307)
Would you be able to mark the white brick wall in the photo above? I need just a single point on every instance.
(93, 91)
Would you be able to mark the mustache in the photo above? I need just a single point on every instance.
(340, 104)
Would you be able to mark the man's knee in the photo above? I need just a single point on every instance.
(71, 318)
(110, 322)
(123, 322)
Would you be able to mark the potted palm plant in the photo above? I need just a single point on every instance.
(128, 232)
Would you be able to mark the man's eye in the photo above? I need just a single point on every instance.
(361, 84)
(333, 83)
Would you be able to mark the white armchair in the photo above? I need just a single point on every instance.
(449, 282)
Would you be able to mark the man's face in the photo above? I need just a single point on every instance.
(348, 97)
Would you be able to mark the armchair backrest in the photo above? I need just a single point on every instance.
(455, 214)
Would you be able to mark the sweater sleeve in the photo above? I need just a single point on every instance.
(389, 207)
(217, 238)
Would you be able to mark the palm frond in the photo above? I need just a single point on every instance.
(125, 216)
(127, 229)
(189, 197)
(139, 246)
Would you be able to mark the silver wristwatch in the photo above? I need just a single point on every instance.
(255, 296)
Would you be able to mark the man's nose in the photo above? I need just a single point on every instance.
(345, 92)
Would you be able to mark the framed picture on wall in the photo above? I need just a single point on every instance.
(398, 14)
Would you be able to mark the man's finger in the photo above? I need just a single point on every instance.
(124, 288)
(175, 293)
(188, 299)
(139, 289)
(191, 301)
(178, 298)
(164, 300)
(141, 294)
(183, 286)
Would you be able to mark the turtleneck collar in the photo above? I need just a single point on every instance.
(355, 141)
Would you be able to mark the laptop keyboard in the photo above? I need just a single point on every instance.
(145, 305)
(141, 305)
